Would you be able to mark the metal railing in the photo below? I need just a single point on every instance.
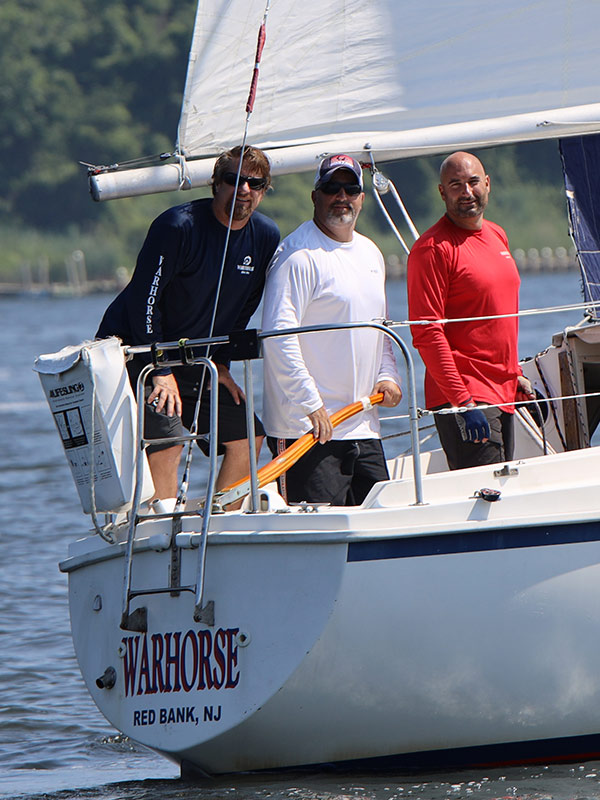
(247, 345)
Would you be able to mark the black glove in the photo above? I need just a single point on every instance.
(476, 425)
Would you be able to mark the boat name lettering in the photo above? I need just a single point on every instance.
(175, 662)
(72, 388)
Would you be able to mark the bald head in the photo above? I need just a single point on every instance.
(464, 187)
(457, 160)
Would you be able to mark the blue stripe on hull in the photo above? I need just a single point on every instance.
(473, 541)
(542, 751)
(565, 749)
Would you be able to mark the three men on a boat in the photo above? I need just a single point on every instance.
(324, 272)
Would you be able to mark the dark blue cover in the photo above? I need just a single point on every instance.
(581, 168)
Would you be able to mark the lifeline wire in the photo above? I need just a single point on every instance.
(426, 412)
(526, 313)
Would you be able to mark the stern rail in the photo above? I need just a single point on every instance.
(247, 347)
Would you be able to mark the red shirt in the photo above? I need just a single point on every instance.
(454, 273)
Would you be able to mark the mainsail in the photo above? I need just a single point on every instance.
(393, 77)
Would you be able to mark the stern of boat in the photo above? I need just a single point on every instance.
(179, 682)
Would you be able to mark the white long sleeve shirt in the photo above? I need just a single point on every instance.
(313, 280)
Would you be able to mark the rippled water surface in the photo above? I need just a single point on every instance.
(53, 741)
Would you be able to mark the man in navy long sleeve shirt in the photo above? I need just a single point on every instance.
(171, 295)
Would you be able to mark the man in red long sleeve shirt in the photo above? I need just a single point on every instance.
(462, 267)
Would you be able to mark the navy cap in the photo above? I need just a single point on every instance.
(331, 164)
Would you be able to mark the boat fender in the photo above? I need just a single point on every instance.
(489, 495)
(108, 679)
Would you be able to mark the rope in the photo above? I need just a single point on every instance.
(535, 429)
(552, 409)
(185, 182)
(104, 531)
(282, 462)
(97, 169)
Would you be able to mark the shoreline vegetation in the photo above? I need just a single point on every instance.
(96, 250)
(77, 284)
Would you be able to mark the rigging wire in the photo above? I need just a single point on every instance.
(262, 35)
(381, 185)
(386, 214)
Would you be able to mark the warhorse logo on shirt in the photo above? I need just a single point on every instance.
(180, 662)
(151, 300)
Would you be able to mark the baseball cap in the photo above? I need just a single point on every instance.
(331, 164)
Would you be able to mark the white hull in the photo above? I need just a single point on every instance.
(347, 634)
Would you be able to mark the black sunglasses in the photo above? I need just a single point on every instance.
(230, 179)
(333, 187)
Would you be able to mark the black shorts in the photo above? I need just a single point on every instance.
(339, 472)
(461, 454)
(231, 417)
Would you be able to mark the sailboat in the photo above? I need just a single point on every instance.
(428, 625)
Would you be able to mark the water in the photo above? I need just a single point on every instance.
(54, 744)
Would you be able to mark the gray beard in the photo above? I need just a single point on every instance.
(345, 218)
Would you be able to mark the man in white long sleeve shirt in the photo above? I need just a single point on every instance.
(325, 272)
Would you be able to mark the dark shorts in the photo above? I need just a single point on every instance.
(338, 472)
(232, 417)
(461, 454)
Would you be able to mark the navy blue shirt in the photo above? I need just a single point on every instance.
(172, 291)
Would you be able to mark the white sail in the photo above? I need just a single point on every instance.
(397, 77)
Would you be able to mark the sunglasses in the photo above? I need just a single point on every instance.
(333, 187)
(230, 179)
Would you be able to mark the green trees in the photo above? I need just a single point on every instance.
(102, 82)
(83, 80)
